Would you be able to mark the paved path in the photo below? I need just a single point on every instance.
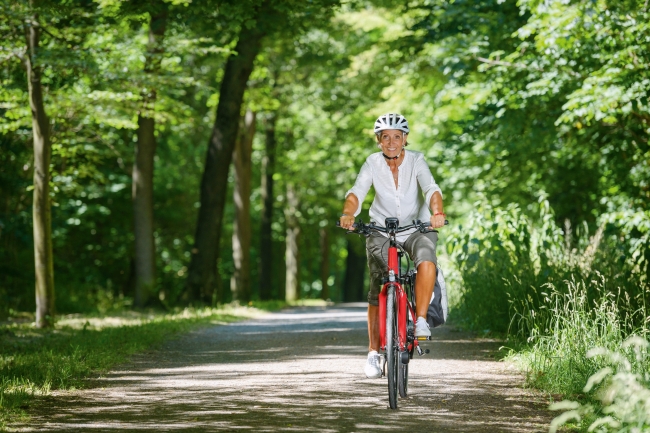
(299, 370)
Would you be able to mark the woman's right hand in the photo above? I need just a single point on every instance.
(346, 222)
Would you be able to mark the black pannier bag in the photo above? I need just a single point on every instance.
(437, 313)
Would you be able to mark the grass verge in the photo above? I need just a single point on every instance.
(33, 362)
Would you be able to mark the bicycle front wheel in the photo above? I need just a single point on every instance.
(403, 379)
(392, 348)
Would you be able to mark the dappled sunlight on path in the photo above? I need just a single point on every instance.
(300, 370)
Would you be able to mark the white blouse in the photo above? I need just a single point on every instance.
(408, 202)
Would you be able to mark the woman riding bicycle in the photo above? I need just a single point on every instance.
(404, 188)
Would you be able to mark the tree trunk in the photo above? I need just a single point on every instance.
(42, 214)
(240, 282)
(142, 185)
(292, 283)
(142, 190)
(266, 240)
(324, 263)
(202, 273)
(355, 270)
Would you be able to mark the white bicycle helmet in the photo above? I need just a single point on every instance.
(391, 121)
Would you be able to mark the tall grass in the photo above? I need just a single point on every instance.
(620, 392)
(566, 327)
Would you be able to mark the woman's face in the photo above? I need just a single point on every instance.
(392, 141)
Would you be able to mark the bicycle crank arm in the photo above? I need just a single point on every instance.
(420, 351)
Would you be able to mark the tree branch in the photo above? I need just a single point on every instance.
(45, 30)
(9, 57)
(644, 117)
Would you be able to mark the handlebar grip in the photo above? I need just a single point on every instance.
(338, 224)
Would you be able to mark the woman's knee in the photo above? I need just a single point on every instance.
(426, 267)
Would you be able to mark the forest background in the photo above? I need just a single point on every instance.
(196, 153)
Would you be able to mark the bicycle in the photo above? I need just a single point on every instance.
(397, 305)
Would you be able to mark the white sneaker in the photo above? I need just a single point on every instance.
(373, 370)
(422, 328)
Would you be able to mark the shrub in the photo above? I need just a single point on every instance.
(501, 258)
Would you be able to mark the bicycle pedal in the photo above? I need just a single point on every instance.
(424, 338)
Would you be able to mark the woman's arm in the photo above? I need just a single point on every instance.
(355, 196)
(437, 213)
(349, 208)
(431, 192)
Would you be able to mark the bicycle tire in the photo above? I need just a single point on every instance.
(403, 379)
(392, 371)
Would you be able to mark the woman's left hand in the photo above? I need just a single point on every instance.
(437, 221)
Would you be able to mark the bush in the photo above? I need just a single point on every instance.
(502, 258)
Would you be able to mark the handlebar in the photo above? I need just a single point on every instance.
(360, 227)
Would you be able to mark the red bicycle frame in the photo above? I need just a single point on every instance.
(401, 301)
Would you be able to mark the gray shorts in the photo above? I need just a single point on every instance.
(421, 247)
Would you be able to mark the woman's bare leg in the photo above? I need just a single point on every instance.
(373, 327)
(426, 278)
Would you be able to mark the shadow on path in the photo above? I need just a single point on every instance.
(299, 370)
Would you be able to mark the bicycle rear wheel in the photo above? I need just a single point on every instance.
(392, 355)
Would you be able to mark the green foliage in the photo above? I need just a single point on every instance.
(502, 257)
(545, 96)
(94, 116)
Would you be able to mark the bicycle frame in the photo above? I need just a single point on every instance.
(404, 307)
